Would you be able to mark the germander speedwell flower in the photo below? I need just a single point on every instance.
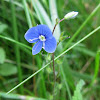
(44, 38)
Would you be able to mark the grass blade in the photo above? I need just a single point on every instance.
(27, 14)
(3, 96)
(16, 42)
(42, 15)
(17, 52)
(96, 67)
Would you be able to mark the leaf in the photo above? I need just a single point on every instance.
(7, 69)
(77, 92)
(2, 27)
(2, 55)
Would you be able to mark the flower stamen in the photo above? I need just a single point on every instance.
(42, 38)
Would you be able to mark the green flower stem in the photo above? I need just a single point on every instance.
(53, 67)
(81, 27)
(54, 77)
(57, 24)
(54, 59)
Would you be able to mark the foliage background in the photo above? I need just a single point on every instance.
(81, 62)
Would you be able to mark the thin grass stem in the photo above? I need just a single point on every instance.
(16, 42)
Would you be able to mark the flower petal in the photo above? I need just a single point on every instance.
(32, 35)
(50, 45)
(37, 47)
(44, 30)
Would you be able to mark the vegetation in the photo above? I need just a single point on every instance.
(76, 59)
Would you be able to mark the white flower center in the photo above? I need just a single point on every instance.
(42, 38)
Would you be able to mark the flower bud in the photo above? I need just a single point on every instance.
(71, 15)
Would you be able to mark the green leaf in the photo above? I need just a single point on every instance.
(77, 92)
(2, 55)
(7, 69)
(2, 27)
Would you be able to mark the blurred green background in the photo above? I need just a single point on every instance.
(17, 62)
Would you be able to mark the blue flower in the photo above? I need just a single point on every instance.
(43, 37)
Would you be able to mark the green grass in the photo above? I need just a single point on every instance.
(75, 58)
(17, 50)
